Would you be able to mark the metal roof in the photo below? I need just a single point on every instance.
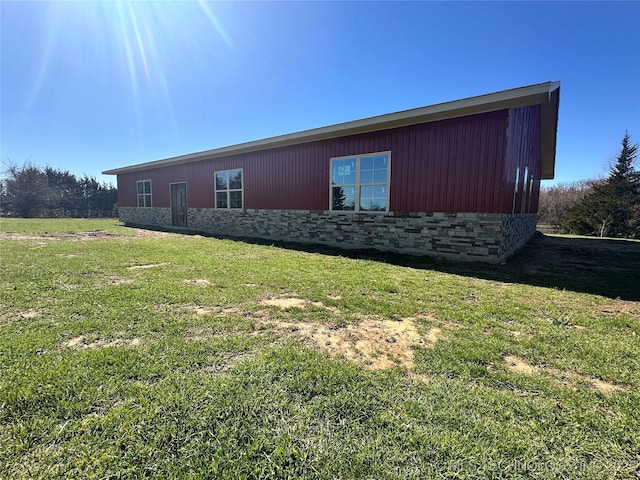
(545, 94)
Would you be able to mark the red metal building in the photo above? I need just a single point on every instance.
(483, 155)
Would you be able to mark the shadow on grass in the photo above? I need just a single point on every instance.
(606, 267)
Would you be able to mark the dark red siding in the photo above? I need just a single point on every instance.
(454, 165)
(523, 150)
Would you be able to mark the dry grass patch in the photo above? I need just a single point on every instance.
(617, 307)
(520, 335)
(83, 343)
(374, 343)
(214, 310)
(148, 265)
(288, 302)
(116, 280)
(518, 365)
(285, 302)
(565, 378)
(201, 282)
(30, 314)
(73, 236)
(141, 232)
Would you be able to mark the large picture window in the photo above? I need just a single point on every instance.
(360, 183)
(229, 192)
(144, 193)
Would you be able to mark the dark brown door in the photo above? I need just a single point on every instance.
(179, 204)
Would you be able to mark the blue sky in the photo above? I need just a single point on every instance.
(89, 86)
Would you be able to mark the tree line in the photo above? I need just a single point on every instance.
(29, 191)
(607, 207)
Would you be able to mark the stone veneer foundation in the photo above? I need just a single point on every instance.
(486, 237)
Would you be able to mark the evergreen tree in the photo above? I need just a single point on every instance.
(29, 191)
(613, 207)
(339, 198)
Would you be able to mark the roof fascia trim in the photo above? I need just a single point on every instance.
(518, 97)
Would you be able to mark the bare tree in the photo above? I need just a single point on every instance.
(557, 199)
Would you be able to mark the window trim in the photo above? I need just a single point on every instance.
(228, 190)
(150, 194)
(358, 185)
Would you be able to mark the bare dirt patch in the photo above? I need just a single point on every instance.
(30, 314)
(518, 365)
(288, 302)
(74, 236)
(116, 280)
(214, 310)
(201, 282)
(565, 378)
(620, 307)
(285, 302)
(520, 335)
(148, 265)
(606, 388)
(141, 232)
(83, 343)
(374, 343)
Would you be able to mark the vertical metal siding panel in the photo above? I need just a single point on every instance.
(430, 182)
(418, 163)
(458, 155)
(439, 169)
(470, 145)
(409, 170)
(126, 190)
(486, 172)
(500, 156)
(450, 146)
(523, 150)
(396, 202)
(449, 165)
(537, 160)
(482, 164)
(453, 178)
(496, 167)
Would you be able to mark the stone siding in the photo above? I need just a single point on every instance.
(516, 231)
(151, 216)
(468, 236)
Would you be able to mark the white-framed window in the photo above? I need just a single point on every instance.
(144, 193)
(360, 183)
(229, 191)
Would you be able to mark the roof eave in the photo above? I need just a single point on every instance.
(518, 97)
(549, 132)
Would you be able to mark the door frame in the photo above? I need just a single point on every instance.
(186, 206)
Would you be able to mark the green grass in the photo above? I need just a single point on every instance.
(108, 371)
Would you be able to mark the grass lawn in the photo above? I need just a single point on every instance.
(127, 353)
